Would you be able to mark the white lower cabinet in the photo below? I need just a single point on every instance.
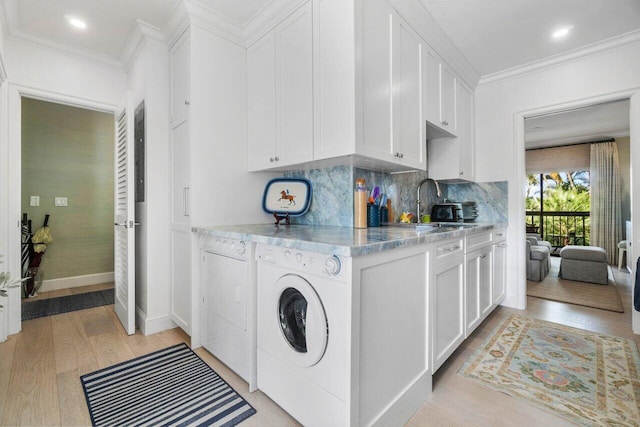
(468, 281)
(446, 301)
(499, 266)
(478, 301)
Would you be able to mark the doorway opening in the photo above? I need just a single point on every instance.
(67, 173)
(560, 141)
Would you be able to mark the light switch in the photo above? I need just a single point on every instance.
(60, 201)
(34, 201)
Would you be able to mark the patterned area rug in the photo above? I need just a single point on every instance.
(170, 387)
(585, 377)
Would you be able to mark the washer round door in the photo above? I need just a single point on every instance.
(301, 320)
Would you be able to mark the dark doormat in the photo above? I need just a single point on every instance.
(52, 306)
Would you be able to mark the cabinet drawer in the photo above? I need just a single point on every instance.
(499, 235)
(476, 241)
(448, 249)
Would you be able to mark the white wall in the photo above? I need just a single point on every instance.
(59, 77)
(613, 73)
(149, 81)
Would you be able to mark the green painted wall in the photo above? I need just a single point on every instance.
(68, 152)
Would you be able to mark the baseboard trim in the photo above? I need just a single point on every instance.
(74, 282)
(153, 326)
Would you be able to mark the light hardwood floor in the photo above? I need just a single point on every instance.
(40, 368)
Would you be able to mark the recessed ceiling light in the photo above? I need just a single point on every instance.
(562, 32)
(76, 22)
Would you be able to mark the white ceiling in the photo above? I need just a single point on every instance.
(598, 122)
(494, 35)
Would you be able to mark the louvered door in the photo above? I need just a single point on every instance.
(124, 238)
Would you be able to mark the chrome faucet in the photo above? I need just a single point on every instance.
(438, 193)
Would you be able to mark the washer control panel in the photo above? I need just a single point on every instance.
(298, 260)
(225, 246)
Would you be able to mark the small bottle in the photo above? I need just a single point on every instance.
(360, 205)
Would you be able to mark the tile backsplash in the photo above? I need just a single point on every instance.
(332, 202)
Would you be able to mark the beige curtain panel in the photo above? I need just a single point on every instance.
(606, 217)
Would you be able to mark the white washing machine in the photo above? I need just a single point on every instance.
(227, 326)
(303, 326)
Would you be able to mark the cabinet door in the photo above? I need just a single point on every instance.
(485, 281)
(447, 98)
(180, 79)
(478, 287)
(465, 141)
(180, 173)
(432, 87)
(472, 292)
(294, 88)
(180, 311)
(409, 142)
(261, 78)
(499, 272)
(447, 310)
(377, 84)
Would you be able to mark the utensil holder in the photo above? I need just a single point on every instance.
(373, 215)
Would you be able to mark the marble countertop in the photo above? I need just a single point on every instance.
(343, 241)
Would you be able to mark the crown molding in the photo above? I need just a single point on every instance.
(268, 17)
(214, 22)
(176, 23)
(418, 16)
(563, 58)
(81, 53)
(138, 35)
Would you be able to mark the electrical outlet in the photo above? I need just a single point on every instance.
(34, 201)
(60, 201)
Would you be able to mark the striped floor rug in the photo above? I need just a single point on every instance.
(169, 387)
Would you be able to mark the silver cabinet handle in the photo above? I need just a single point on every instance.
(185, 201)
(445, 122)
(187, 102)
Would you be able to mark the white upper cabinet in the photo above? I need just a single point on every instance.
(410, 142)
(352, 81)
(394, 123)
(280, 90)
(441, 94)
(180, 80)
(453, 159)
(261, 64)
(377, 91)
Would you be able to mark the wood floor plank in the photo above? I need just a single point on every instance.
(97, 321)
(71, 343)
(110, 349)
(32, 399)
(7, 351)
(73, 409)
